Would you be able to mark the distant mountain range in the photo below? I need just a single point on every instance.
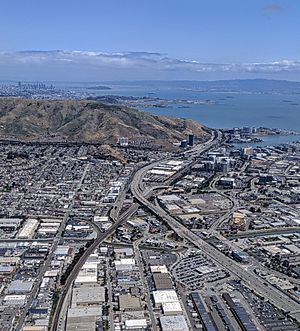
(235, 85)
(87, 121)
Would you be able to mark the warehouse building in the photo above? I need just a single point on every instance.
(129, 302)
(88, 295)
(161, 296)
(28, 229)
(136, 324)
(173, 323)
(20, 286)
(88, 273)
(162, 281)
(10, 224)
(138, 223)
(171, 308)
(15, 300)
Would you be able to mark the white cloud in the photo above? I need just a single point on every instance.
(137, 61)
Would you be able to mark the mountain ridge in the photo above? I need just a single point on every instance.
(87, 121)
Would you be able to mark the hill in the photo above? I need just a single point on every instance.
(86, 121)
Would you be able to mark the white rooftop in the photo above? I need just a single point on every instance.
(171, 307)
(173, 323)
(159, 268)
(136, 323)
(163, 296)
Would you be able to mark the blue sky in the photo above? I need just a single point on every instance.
(191, 39)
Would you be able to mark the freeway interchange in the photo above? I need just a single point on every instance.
(142, 195)
(276, 297)
(251, 279)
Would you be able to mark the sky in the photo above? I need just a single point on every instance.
(97, 40)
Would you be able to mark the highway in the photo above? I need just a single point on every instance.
(265, 232)
(255, 282)
(234, 205)
(118, 220)
(250, 278)
(215, 138)
(100, 238)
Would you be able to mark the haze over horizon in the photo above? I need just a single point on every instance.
(101, 41)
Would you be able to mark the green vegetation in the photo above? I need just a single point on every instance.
(55, 300)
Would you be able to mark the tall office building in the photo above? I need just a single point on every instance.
(191, 139)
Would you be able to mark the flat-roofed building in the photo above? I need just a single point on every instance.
(162, 281)
(137, 324)
(164, 296)
(86, 307)
(88, 273)
(6, 270)
(173, 323)
(124, 264)
(129, 302)
(35, 328)
(9, 260)
(20, 286)
(28, 228)
(159, 269)
(138, 223)
(62, 250)
(172, 308)
(81, 323)
(10, 224)
(124, 251)
(88, 295)
(15, 300)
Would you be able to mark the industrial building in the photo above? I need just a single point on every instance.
(128, 302)
(164, 296)
(173, 323)
(162, 281)
(28, 229)
(20, 286)
(135, 324)
(171, 308)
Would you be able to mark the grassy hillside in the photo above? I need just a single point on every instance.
(86, 121)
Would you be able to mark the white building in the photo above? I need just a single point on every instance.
(164, 296)
(173, 323)
(123, 141)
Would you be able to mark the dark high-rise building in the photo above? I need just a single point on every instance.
(191, 139)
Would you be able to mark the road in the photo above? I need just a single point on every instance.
(234, 205)
(47, 263)
(110, 299)
(139, 262)
(197, 150)
(266, 232)
(250, 278)
(99, 239)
